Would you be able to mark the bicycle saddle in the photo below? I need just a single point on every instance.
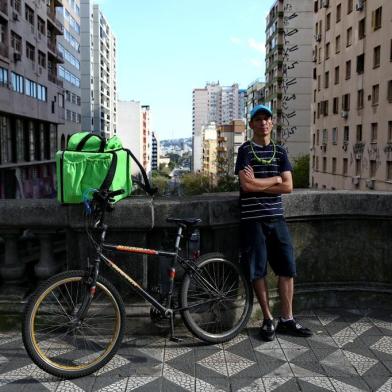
(184, 221)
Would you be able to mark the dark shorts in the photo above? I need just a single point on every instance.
(266, 242)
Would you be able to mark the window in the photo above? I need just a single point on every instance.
(346, 102)
(389, 131)
(30, 88)
(324, 108)
(41, 25)
(345, 166)
(337, 44)
(334, 136)
(361, 63)
(373, 169)
(17, 82)
(349, 36)
(324, 164)
(30, 51)
(362, 28)
(373, 132)
(29, 14)
(319, 55)
(358, 164)
(3, 76)
(335, 109)
(42, 59)
(318, 82)
(328, 22)
(348, 69)
(349, 6)
(314, 73)
(359, 133)
(326, 80)
(376, 56)
(375, 94)
(325, 136)
(327, 45)
(16, 4)
(389, 170)
(16, 42)
(338, 13)
(336, 75)
(376, 18)
(389, 91)
(333, 165)
(346, 134)
(360, 95)
(315, 6)
(318, 137)
(317, 163)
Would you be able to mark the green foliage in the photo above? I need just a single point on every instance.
(161, 182)
(195, 184)
(301, 172)
(227, 183)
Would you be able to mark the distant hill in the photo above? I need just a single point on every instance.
(176, 142)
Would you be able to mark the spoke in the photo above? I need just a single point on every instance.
(61, 306)
(70, 296)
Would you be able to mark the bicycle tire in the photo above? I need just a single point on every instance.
(204, 319)
(62, 347)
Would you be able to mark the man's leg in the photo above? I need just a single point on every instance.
(261, 289)
(286, 292)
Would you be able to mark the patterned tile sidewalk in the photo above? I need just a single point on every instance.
(351, 350)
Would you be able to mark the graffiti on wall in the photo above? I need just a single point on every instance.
(287, 129)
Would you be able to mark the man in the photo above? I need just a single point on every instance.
(265, 173)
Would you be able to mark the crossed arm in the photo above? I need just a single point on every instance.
(274, 185)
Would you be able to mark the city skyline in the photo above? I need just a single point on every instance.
(175, 50)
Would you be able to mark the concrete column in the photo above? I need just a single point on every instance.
(47, 265)
(13, 268)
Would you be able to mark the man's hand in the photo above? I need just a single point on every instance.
(249, 183)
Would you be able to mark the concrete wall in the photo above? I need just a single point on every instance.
(341, 239)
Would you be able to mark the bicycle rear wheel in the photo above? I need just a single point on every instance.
(63, 346)
(218, 299)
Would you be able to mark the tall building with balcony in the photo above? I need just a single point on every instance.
(98, 71)
(255, 95)
(155, 151)
(213, 103)
(210, 151)
(134, 131)
(31, 97)
(288, 72)
(352, 95)
(68, 45)
(229, 139)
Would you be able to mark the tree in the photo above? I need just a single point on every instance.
(195, 184)
(301, 172)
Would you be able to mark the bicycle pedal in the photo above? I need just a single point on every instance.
(176, 339)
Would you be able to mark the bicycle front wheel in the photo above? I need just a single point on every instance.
(61, 344)
(217, 299)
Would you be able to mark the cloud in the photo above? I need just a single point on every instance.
(259, 46)
(235, 40)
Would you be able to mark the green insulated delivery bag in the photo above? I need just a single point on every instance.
(91, 162)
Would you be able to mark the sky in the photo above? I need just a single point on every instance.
(166, 48)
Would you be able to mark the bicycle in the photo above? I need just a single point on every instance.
(74, 322)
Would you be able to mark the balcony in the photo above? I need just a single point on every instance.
(54, 79)
(54, 53)
(54, 22)
(3, 50)
(4, 7)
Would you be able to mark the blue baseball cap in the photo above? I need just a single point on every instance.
(260, 108)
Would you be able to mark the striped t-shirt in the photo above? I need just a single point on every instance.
(260, 205)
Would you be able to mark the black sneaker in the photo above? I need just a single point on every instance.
(267, 330)
(292, 327)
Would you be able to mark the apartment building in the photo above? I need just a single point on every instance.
(68, 45)
(31, 97)
(155, 151)
(213, 103)
(210, 151)
(288, 72)
(134, 131)
(98, 71)
(352, 95)
(255, 95)
(229, 139)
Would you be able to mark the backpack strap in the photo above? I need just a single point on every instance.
(107, 182)
(146, 186)
(83, 142)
